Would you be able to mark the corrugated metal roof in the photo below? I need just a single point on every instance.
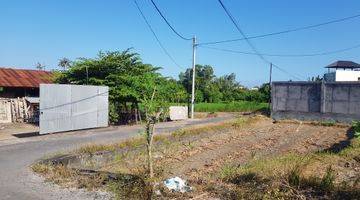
(33, 100)
(23, 77)
(344, 64)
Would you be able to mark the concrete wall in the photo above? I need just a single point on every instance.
(339, 101)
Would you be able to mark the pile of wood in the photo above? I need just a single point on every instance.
(16, 110)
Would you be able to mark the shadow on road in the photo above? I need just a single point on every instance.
(25, 135)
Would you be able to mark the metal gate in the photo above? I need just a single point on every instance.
(72, 107)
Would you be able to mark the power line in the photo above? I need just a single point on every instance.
(167, 22)
(249, 42)
(284, 31)
(241, 32)
(155, 36)
(296, 76)
(285, 55)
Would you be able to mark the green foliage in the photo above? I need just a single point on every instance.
(131, 83)
(241, 106)
(356, 127)
(212, 89)
(130, 80)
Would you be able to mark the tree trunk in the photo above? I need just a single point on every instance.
(136, 115)
(150, 127)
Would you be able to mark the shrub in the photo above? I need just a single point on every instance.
(356, 127)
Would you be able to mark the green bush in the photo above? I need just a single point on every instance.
(356, 127)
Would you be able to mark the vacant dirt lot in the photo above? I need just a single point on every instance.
(200, 154)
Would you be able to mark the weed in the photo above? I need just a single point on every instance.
(92, 148)
(327, 182)
(228, 172)
(40, 168)
(294, 176)
(328, 123)
(239, 123)
(130, 187)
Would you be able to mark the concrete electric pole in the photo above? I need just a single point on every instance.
(193, 78)
(270, 80)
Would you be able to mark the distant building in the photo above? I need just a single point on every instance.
(22, 82)
(19, 94)
(342, 71)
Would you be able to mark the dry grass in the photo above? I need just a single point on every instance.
(130, 158)
(67, 177)
(315, 175)
(176, 135)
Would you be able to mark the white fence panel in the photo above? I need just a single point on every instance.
(72, 107)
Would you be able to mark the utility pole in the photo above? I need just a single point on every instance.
(270, 73)
(270, 80)
(193, 77)
(87, 75)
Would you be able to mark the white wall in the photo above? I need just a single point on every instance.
(342, 75)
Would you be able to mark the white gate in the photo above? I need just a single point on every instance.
(72, 107)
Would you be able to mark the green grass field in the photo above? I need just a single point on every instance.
(241, 106)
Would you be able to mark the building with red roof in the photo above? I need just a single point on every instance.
(22, 82)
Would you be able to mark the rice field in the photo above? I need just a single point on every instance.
(241, 106)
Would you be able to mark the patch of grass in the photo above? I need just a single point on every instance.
(328, 123)
(241, 106)
(65, 176)
(237, 123)
(92, 148)
(40, 168)
(327, 182)
(295, 176)
(130, 187)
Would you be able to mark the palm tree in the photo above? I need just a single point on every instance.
(39, 66)
(64, 63)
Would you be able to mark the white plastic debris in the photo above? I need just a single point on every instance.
(177, 184)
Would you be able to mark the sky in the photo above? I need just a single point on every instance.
(44, 31)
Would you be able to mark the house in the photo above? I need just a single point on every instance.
(340, 71)
(19, 94)
(22, 82)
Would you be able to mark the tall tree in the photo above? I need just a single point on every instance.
(125, 74)
(64, 63)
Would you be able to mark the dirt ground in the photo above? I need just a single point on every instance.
(14, 130)
(261, 138)
(198, 155)
(198, 158)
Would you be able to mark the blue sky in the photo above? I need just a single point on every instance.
(45, 31)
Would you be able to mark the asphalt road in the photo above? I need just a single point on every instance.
(17, 180)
